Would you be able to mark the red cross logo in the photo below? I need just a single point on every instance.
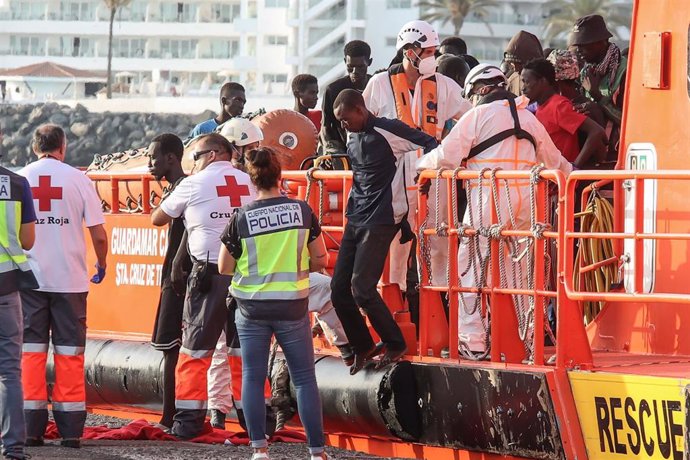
(45, 193)
(233, 190)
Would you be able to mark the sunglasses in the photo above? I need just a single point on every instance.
(197, 153)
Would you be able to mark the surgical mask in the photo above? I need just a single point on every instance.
(426, 66)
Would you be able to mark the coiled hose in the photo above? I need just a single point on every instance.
(596, 218)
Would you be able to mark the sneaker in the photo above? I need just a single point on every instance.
(34, 442)
(360, 360)
(217, 419)
(260, 456)
(71, 443)
(347, 354)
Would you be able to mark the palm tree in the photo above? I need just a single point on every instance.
(113, 6)
(560, 15)
(455, 11)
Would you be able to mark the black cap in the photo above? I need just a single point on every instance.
(589, 29)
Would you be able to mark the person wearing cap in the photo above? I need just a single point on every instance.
(491, 136)
(560, 119)
(521, 49)
(165, 162)
(567, 67)
(603, 76)
(206, 200)
(415, 93)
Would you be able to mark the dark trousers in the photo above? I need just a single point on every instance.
(361, 259)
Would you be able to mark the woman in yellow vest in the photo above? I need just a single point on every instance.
(270, 246)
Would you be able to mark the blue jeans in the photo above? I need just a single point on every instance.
(295, 340)
(12, 428)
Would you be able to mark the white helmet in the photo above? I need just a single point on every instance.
(418, 33)
(240, 131)
(479, 73)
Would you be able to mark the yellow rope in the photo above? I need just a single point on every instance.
(597, 218)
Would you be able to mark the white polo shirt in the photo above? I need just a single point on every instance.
(65, 201)
(207, 199)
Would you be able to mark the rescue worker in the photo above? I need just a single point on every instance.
(232, 100)
(18, 227)
(560, 119)
(206, 200)
(603, 76)
(376, 211)
(357, 61)
(521, 49)
(66, 201)
(165, 162)
(305, 89)
(270, 246)
(416, 94)
(225, 382)
(498, 132)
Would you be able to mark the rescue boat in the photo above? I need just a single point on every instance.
(613, 386)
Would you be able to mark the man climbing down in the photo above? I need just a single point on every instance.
(376, 211)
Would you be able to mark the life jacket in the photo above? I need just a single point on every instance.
(428, 120)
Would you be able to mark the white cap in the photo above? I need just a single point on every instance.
(417, 33)
(479, 73)
(241, 131)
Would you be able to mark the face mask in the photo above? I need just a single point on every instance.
(427, 66)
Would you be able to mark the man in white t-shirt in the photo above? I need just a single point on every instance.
(66, 201)
(205, 200)
(416, 94)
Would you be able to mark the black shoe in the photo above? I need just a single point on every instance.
(347, 354)
(34, 442)
(361, 359)
(390, 356)
(72, 443)
(217, 419)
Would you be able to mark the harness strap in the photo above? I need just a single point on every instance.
(516, 131)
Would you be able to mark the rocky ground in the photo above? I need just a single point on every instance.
(87, 133)
(162, 450)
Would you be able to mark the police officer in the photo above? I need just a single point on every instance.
(17, 225)
(66, 201)
(206, 200)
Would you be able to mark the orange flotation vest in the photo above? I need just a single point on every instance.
(428, 121)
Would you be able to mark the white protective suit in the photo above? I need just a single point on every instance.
(474, 127)
(378, 96)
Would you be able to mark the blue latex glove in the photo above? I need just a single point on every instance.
(99, 276)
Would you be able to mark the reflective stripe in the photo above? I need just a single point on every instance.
(253, 264)
(234, 352)
(301, 237)
(286, 277)
(35, 348)
(68, 350)
(190, 404)
(269, 295)
(196, 354)
(10, 221)
(35, 404)
(69, 406)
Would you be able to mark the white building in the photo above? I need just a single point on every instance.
(195, 45)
